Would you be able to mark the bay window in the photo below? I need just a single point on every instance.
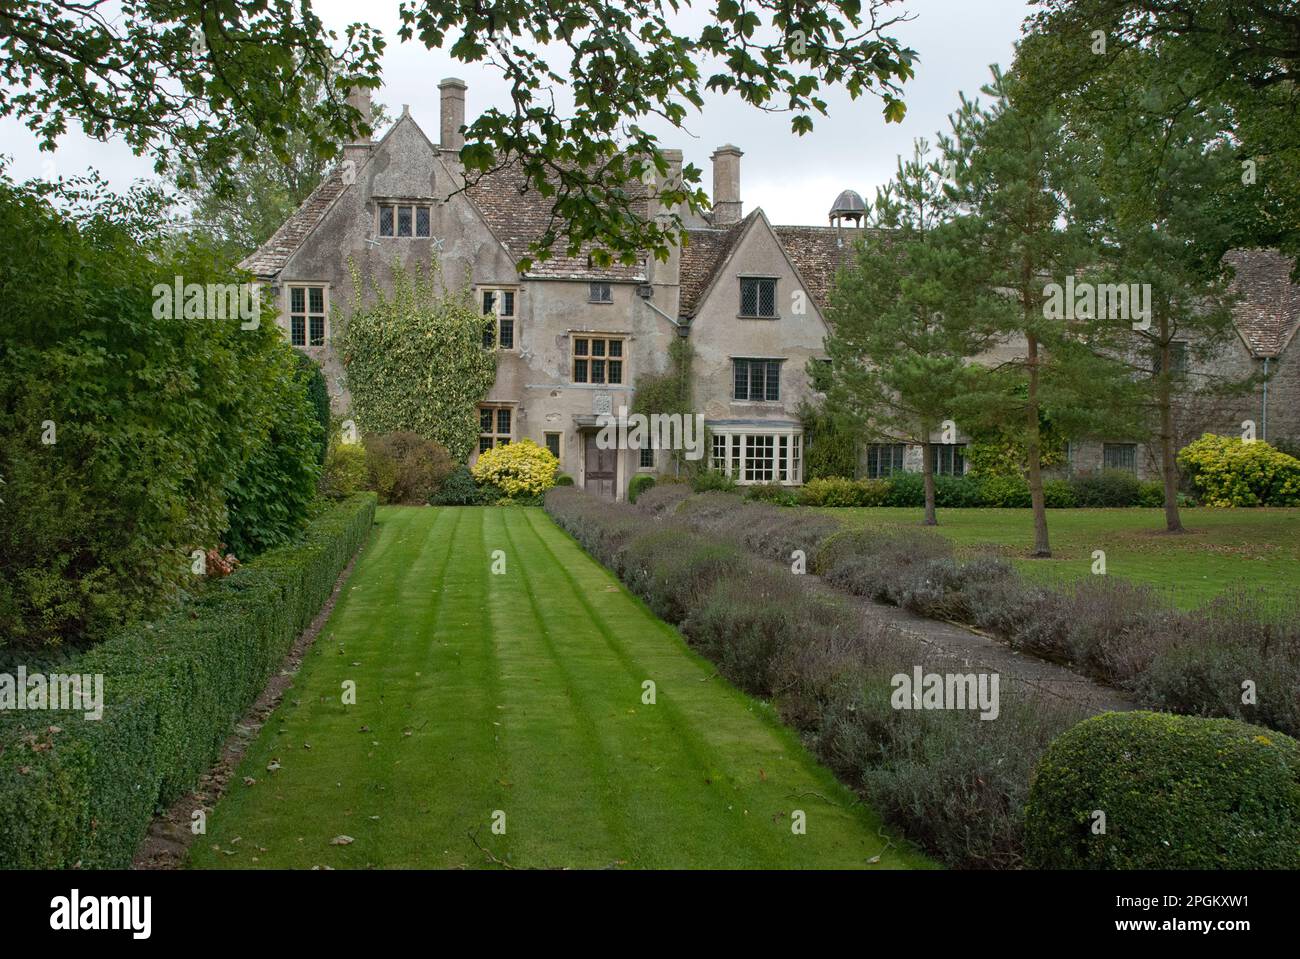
(759, 457)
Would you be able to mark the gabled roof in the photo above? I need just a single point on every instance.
(516, 215)
(270, 258)
(815, 252)
(702, 257)
(1268, 312)
(519, 215)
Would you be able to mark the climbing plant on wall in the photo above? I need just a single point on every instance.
(669, 391)
(414, 357)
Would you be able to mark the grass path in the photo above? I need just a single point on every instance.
(521, 692)
(1255, 549)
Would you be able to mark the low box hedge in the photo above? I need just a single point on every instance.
(1177, 792)
(78, 792)
(639, 484)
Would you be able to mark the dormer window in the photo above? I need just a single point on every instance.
(404, 219)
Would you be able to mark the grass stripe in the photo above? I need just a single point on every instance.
(521, 691)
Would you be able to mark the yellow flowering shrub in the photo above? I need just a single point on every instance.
(518, 469)
(1227, 471)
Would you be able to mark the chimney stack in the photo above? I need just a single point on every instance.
(672, 180)
(359, 99)
(452, 114)
(664, 275)
(727, 208)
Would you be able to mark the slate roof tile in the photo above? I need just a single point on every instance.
(1269, 309)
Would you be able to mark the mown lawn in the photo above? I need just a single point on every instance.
(1255, 548)
(521, 692)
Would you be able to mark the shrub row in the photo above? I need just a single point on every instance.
(1107, 488)
(406, 468)
(959, 785)
(83, 792)
(954, 783)
(1236, 657)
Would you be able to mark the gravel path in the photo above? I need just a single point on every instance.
(984, 652)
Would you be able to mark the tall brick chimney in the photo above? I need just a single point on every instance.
(727, 208)
(452, 113)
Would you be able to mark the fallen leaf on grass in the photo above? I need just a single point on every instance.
(342, 841)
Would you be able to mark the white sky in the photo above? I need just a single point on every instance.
(794, 179)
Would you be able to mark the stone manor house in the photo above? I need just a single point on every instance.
(573, 338)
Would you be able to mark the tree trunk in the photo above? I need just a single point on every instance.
(927, 472)
(1033, 455)
(1173, 522)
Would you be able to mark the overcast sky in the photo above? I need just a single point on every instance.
(794, 179)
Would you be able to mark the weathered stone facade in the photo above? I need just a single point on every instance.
(750, 297)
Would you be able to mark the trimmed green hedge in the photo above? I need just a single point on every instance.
(1178, 792)
(173, 689)
(1106, 489)
(639, 484)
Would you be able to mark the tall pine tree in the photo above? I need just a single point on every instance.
(1165, 169)
(908, 314)
(1026, 190)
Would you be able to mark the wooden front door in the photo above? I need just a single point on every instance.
(601, 471)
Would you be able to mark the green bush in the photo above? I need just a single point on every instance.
(269, 496)
(1059, 494)
(832, 444)
(1007, 492)
(405, 467)
(564, 479)
(875, 492)
(772, 493)
(1226, 471)
(318, 397)
(957, 492)
(831, 491)
(516, 469)
(152, 420)
(458, 489)
(346, 471)
(1178, 792)
(709, 480)
(84, 795)
(1106, 489)
(1151, 494)
(906, 489)
(640, 483)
